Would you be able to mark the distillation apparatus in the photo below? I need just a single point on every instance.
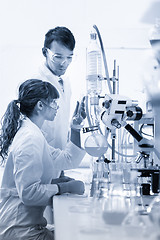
(107, 113)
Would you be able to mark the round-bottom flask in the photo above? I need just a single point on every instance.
(96, 145)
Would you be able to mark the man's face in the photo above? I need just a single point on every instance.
(58, 58)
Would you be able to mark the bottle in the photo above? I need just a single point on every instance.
(94, 66)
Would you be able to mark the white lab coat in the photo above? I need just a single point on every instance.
(56, 132)
(26, 184)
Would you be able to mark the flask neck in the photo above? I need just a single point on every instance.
(93, 36)
(93, 44)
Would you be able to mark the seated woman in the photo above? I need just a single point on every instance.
(27, 184)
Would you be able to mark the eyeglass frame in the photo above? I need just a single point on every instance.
(63, 58)
(55, 108)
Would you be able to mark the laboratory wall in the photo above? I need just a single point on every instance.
(23, 24)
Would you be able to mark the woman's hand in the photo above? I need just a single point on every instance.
(79, 115)
(74, 186)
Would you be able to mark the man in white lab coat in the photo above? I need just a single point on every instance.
(58, 50)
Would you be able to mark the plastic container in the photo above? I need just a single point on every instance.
(94, 66)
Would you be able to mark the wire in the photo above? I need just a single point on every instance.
(146, 134)
(104, 59)
(121, 154)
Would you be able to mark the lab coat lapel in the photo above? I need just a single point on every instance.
(50, 77)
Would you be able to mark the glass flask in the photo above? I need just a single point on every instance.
(96, 144)
(154, 212)
(116, 205)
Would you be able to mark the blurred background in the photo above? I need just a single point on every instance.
(123, 24)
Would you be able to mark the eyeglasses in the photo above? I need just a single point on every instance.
(54, 105)
(57, 58)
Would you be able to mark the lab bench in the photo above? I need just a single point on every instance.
(78, 218)
(75, 220)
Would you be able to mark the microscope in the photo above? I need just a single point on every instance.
(118, 112)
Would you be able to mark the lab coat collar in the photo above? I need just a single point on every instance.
(52, 78)
(27, 122)
(45, 69)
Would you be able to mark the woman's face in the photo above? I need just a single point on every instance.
(50, 109)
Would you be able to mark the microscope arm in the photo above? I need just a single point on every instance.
(142, 142)
(133, 132)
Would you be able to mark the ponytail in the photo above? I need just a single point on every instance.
(10, 124)
(30, 92)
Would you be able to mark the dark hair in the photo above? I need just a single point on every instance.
(30, 92)
(62, 35)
